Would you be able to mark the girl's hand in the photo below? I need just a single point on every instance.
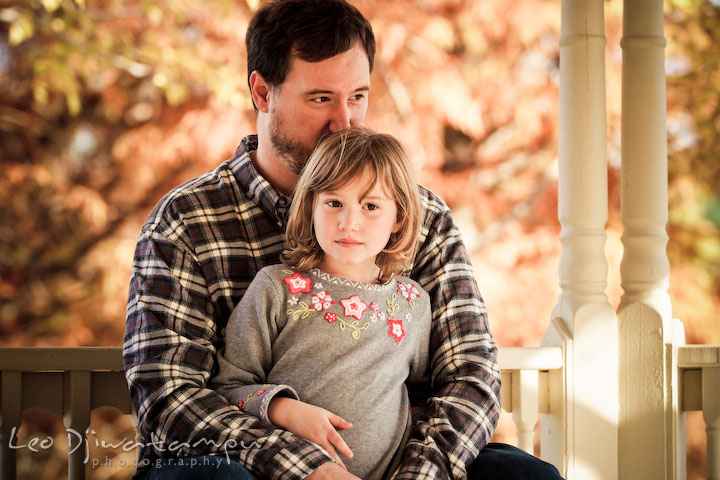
(311, 423)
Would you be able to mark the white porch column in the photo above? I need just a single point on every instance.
(649, 413)
(584, 324)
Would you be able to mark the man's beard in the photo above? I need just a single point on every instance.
(294, 154)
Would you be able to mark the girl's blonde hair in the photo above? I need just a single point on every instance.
(338, 159)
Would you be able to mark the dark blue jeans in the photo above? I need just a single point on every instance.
(497, 461)
(198, 468)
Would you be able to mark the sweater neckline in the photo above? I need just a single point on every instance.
(328, 277)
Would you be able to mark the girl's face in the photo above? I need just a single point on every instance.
(352, 225)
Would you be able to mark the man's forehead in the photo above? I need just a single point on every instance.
(349, 70)
(321, 91)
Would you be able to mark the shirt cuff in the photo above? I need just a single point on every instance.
(255, 399)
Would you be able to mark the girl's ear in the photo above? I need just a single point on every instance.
(260, 91)
(396, 228)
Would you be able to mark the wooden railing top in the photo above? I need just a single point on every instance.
(698, 356)
(110, 358)
(48, 359)
(530, 358)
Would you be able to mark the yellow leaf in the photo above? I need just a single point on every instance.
(51, 5)
(160, 80)
(74, 103)
(40, 93)
(57, 25)
(176, 93)
(439, 31)
(72, 95)
(20, 30)
(154, 14)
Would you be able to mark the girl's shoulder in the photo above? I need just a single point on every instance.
(273, 269)
(274, 273)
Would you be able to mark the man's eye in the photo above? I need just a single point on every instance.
(321, 99)
(359, 97)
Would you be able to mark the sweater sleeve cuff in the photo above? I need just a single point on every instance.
(255, 399)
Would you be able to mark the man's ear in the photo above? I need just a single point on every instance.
(260, 91)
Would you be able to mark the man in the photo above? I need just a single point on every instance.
(309, 64)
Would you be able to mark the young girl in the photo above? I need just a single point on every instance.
(328, 339)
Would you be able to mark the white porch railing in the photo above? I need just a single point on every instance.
(526, 374)
(73, 381)
(699, 388)
(67, 381)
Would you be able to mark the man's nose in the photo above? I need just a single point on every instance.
(340, 117)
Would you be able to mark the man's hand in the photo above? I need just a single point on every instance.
(311, 423)
(331, 471)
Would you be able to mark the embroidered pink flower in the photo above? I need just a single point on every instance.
(241, 404)
(298, 284)
(374, 306)
(330, 317)
(408, 291)
(260, 392)
(408, 317)
(396, 330)
(322, 301)
(354, 307)
(319, 286)
(293, 301)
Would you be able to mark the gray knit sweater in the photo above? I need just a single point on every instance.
(346, 346)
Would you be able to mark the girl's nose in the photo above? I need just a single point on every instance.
(348, 220)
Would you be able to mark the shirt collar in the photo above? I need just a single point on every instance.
(254, 185)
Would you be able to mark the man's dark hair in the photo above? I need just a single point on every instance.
(313, 30)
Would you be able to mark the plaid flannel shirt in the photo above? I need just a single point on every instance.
(196, 255)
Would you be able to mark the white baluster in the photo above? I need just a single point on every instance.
(77, 420)
(711, 414)
(525, 407)
(9, 421)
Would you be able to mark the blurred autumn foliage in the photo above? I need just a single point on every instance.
(106, 105)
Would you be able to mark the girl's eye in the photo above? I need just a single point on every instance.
(334, 203)
(371, 206)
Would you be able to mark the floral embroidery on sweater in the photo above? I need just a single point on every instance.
(353, 307)
(396, 330)
(377, 316)
(353, 326)
(409, 292)
(392, 305)
(241, 404)
(321, 301)
(302, 312)
(297, 283)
